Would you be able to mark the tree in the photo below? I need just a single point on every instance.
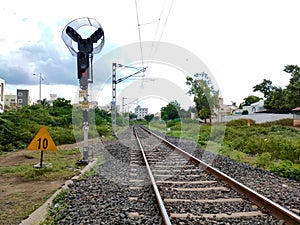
(149, 117)
(132, 116)
(171, 111)
(250, 99)
(264, 87)
(206, 97)
(45, 103)
(277, 100)
(61, 102)
(282, 98)
(293, 88)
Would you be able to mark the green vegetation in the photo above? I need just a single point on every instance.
(170, 111)
(282, 98)
(248, 101)
(62, 165)
(18, 128)
(17, 167)
(206, 97)
(58, 205)
(273, 146)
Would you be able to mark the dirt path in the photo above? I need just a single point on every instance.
(17, 196)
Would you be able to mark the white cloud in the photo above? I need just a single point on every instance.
(241, 42)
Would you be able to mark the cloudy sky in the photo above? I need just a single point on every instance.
(240, 42)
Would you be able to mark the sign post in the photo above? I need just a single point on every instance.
(43, 142)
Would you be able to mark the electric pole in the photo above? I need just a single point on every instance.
(115, 81)
(40, 86)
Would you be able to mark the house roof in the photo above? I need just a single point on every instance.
(296, 109)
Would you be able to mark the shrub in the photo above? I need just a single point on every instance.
(171, 123)
(286, 169)
(263, 160)
(239, 122)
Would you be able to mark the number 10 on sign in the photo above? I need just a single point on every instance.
(43, 142)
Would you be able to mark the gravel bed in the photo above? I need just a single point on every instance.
(257, 220)
(201, 194)
(199, 208)
(104, 198)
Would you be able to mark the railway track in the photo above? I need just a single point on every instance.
(191, 192)
(188, 191)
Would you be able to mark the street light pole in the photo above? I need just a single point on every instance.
(40, 89)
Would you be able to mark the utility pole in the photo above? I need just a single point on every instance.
(40, 88)
(115, 81)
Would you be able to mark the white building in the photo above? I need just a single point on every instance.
(53, 97)
(255, 107)
(11, 101)
(105, 107)
(140, 112)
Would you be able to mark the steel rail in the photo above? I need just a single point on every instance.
(273, 208)
(161, 205)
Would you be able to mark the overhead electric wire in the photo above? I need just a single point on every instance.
(157, 28)
(139, 31)
(165, 24)
(152, 52)
(155, 34)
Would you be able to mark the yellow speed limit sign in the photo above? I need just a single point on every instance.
(42, 141)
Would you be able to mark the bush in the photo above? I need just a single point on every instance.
(279, 146)
(283, 122)
(263, 160)
(61, 135)
(286, 169)
(239, 122)
(171, 123)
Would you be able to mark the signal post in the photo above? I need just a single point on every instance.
(84, 55)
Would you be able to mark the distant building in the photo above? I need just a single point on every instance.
(22, 97)
(105, 107)
(193, 116)
(140, 112)
(157, 115)
(11, 101)
(255, 107)
(2, 98)
(224, 109)
(296, 117)
(93, 104)
(53, 97)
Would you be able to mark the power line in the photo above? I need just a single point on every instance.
(157, 28)
(152, 52)
(139, 31)
(165, 24)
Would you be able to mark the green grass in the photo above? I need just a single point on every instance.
(17, 205)
(62, 166)
(273, 146)
(54, 213)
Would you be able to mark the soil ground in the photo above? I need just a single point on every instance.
(18, 197)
